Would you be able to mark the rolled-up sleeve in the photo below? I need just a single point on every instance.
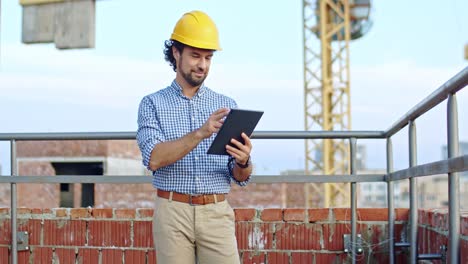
(149, 131)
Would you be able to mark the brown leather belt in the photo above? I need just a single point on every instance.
(192, 199)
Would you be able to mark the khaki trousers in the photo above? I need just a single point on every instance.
(186, 234)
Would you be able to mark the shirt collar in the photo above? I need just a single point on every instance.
(178, 89)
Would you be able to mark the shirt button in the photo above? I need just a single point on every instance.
(196, 158)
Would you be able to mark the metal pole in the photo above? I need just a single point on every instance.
(14, 245)
(413, 196)
(390, 204)
(352, 143)
(453, 181)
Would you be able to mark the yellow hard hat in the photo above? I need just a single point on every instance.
(198, 30)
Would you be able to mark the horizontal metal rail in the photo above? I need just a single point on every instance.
(457, 164)
(132, 135)
(429, 256)
(148, 179)
(452, 86)
(402, 244)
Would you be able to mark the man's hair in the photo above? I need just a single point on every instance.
(168, 55)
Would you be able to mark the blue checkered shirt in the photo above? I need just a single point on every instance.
(168, 115)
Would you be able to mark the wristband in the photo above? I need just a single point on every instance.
(243, 166)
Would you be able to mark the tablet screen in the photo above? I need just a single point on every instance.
(236, 122)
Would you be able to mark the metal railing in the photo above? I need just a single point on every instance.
(450, 166)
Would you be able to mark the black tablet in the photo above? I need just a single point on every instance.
(236, 122)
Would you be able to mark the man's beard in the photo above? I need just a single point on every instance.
(190, 80)
(188, 77)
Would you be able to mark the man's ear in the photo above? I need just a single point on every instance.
(175, 53)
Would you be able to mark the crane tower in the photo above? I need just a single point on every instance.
(329, 26)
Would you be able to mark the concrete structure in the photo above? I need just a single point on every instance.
(81, 158)
(68, 24)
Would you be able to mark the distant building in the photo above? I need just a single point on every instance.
(435, 189)
(90, 157)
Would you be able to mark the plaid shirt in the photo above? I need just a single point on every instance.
(168, 115)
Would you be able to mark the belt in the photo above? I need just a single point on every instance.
(192, 199)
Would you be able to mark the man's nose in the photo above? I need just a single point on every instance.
(202, 63)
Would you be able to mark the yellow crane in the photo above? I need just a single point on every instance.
(329, 25)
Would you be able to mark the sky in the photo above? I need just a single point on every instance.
(412, 48)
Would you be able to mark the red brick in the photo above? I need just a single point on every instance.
(401, 214)
(125, 213)
(375, 234)
(88, 256)
(374, 257)
(78, 213)
(42, 254)
(269, 215)
(463, 251)
(65, 232)
(36, 211)
(316, 215)
(65, 255)
(253, 258)
(102, 213)
(298, 237)
(254, 236)
(33, 227)
(23, 210)
(333, 235)
(109, 233)
(400, 232)
(245, 214)
(342, 214)
(464, 226)
(4, 212)
(112, 256)
(5, 232)
(151, 254)
(372, 214)
(145, 212)
(277, 258)
(61, 212)
(24, 256)
(332, 258)
(294, 215)
(46, 211)
(143, 234)
(4, 255)
(135, 256)
(303, 258)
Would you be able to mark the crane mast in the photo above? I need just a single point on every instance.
(328, 29)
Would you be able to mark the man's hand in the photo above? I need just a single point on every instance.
(242, 152)
(214, 123)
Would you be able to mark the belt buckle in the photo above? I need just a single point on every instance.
(191, 201)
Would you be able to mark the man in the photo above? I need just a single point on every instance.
(176, 126)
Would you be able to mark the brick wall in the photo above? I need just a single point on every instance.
(264, 236)
(433, 225)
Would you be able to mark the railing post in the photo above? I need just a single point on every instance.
(352, 144)
(14, 172)
(453, 181)
(413, 195)
(390, 204)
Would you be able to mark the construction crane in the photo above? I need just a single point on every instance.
(329, 26)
